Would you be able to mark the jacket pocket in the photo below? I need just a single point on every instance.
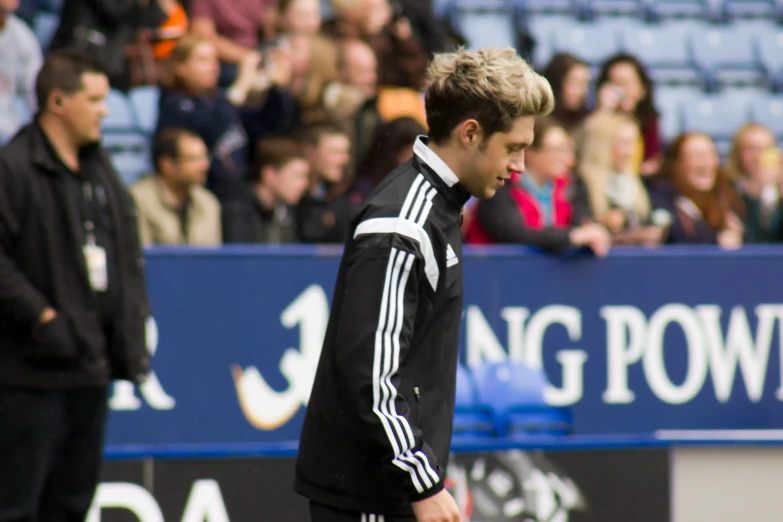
(54, 343)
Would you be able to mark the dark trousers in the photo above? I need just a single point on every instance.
(321, 513)
(51, 445)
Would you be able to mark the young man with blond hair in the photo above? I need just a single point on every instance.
(377, 432)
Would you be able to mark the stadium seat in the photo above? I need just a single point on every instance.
(700, 9)
(764, 9)
(144, 101)
(590, 41)
(120, 117)
(600, 8)
(663, 48)
(486, 23)
(669, 101)
(551, 7)
(130, 166)
(768, 111)
(470, 420)
(770, 52)
(44, 26)
(515, 393)
(543, 28)
(719, 115)
(726, 57)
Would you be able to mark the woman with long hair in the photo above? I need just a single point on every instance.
(747, 146)
(705, 207)
(617, 195)
(623, 86)
(570, 80)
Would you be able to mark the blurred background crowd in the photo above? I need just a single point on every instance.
(270, 121)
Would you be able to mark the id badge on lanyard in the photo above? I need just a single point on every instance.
(94, 254)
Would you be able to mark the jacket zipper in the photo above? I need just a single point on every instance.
(416, 393)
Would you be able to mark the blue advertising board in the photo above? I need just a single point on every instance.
(642, 341)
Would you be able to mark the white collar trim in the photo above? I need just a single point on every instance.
(430, 158)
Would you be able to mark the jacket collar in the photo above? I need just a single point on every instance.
(43, 152)
(455, 191)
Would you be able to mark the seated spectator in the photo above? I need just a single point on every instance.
(392, 145)
(624, 86)
(266, 213)
(694, 190)
(535, 207)
(325, 212)
(194, 103)
(234, 27)
(298, 17)
(743, 160)
(315, 85)
(570, 80)
(174, 207)
(402, 61)
(763, 202)
(618, 198)
(20, 60)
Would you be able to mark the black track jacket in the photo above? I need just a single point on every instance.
(377, 432)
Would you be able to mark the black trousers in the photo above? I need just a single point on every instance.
(321, 513)
(51, 448)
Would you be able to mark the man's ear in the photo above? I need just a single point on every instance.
(470, 133)
(165, 165)
(266, 174)
(55, 102)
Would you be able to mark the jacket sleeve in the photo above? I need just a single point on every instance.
(20, 301)
(502, 222)
(377, 313)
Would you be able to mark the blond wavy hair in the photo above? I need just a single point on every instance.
(734, 168)
(494, 86)
(596, 164)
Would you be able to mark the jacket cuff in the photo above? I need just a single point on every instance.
(434, 490)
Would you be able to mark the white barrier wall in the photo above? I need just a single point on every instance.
(727, 484)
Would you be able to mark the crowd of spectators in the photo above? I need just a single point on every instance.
(278, 117)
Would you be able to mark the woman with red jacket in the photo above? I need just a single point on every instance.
(542, 206)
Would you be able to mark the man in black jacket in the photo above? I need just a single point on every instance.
(377, 432)
(73, 301)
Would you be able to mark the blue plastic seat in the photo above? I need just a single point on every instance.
(589, 41)
(764, 9)
(543, 28)
(144, 101)
(669, 101)
(700, 9)
(663, 48)
(515, 393)
(770, 52)
(44, 27)
(470, 419)
(768, 111)
(561, 7)
(131, 166)
(120, 117)
(719, 115)
(630, 8)
(486, 23)
(726, 56)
